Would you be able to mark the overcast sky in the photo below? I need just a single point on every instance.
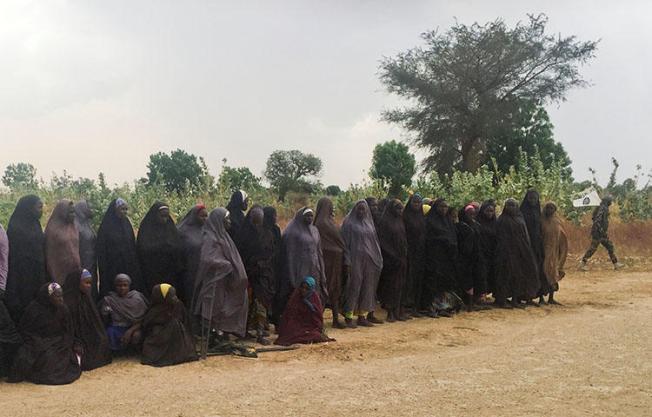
(92, 86)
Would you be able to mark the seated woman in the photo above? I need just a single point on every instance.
(88, 326)
(167, 339)
(49, 354)
(123, 310)
(303, 320)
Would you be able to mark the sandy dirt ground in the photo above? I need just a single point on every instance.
(591, 357)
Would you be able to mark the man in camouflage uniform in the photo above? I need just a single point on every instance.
(599, 235)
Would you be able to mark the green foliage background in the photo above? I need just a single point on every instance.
(633, 198)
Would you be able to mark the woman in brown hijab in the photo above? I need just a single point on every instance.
(333, 249)
(555, 247)
(62, 242)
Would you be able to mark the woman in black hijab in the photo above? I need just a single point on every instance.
(394, 246)
(269, 223)
(517, 275)
(167, 337)
(191, 232)
(49, 354)
(116, 248)
(160, 248)
(26, 255)
(87, 240)
(488, 242)
(87, 323)
(441, 255)
(531, 210)
(415, 230)
(256, 246)
(237, 207)
(470, 265)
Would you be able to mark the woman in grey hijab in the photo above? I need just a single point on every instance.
(301, 257)
(191, 232)
(87, 238)
(366, 259)
(220, 295)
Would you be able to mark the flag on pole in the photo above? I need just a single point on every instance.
(589, 198)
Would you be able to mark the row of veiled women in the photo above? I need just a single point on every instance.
(48, 341)
(236, 272)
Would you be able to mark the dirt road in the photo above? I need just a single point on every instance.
(591, 357)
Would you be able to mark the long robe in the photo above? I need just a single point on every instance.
(555, 244)
(333, 250)
(301, 323)
(88, 326)
(256, 247)
(221, 285)
(116, 251)
(167, 339)
(87, 242)
(470, 264)
(488, 244)
(393, 244)
(366, 260)
(441, 253)
(9, 337)
(236, 214)
(191, 232)
(4, 259)
(301, 257)
(415, 230)
(517, 275)
(532, 217)
(26, 256)
(47, 355)
(269, 223)
(61, 244)
(160, 250)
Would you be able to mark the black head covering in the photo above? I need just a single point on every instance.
(26, 256)
(191, 232)
(167, 337)
(532, 216)
(415, 221)
(440, 228)
(256, 247)
(236, 211)
(47, 356)
(394, 248)
(87, 324)
(517, 270)
(116, 251)
(160, 249)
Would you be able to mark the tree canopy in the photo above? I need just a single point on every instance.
(19, 176)
(240, 178)
(393, 165)
(527, 128)
(292, 171)
(177, 171)
(465, 83)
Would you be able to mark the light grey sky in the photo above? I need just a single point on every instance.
(92, 86)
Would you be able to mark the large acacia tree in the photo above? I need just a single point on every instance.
(466, 83)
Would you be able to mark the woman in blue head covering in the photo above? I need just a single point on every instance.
(303, 320)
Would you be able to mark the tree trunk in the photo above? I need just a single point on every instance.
(470, 155)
